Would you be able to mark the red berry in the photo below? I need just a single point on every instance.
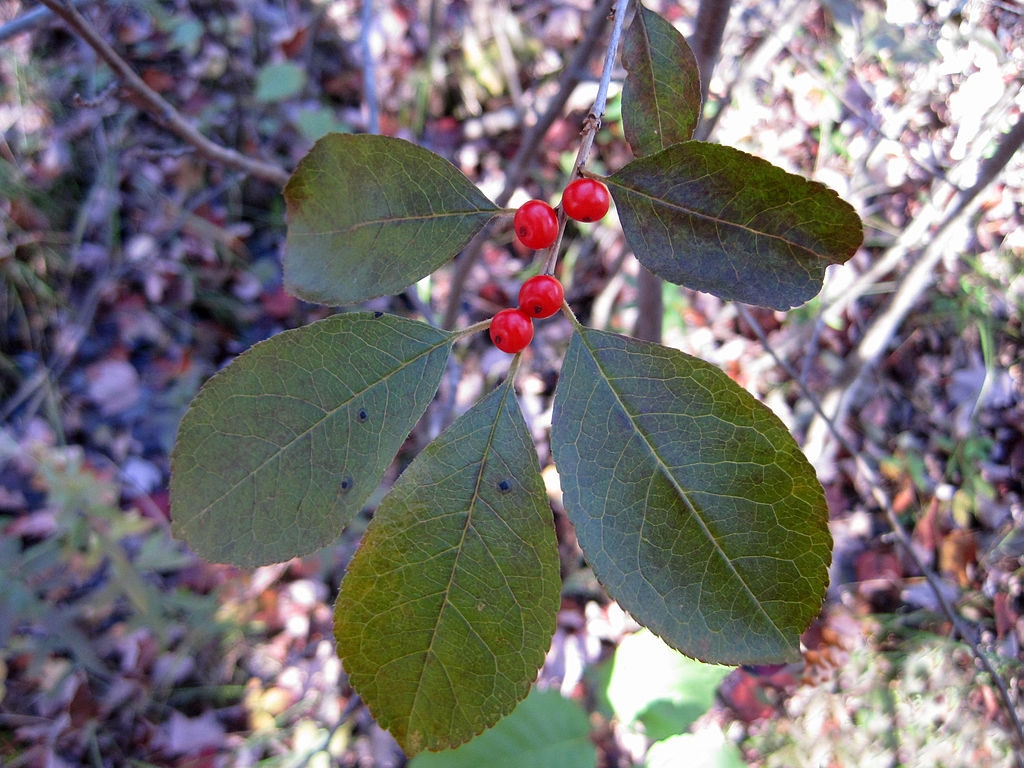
(541, 296)
(536, 224)
(585, 200)
(511, 330)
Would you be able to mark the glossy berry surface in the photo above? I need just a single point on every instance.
(541, 296)
(536, 224)
(586, 200)
(511, 330)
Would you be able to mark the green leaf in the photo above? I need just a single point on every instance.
(545, 731)
(186, 36)
(370, 215)
(448, 606)
(661, 96)
(659, 687)
(277, 82)
(281, 449)
(707, 749)
(719, 220)
(691, 501)
(318, 122)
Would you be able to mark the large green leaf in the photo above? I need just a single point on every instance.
(661, 94)
(659, 687)
(281, 449)
(370, 215)
(719, 220)
(448, 606)
(691, 501)
(545, 731)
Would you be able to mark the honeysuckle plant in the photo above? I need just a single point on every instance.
(691, 501)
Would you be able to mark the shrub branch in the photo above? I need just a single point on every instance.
(591, 126)
(531, 142)
(706, 42)
(159, 107)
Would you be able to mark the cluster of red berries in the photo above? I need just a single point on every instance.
(536, 226)
(536, 223)
(540, 297)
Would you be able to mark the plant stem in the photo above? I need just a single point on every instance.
(591, 125)
(26, 22)
(531, 142)
(567, 311)
(600, 103)
(915, 280)
(705, 42)
(469, 330)
(650, 305)
(369, 69)
(160, 108)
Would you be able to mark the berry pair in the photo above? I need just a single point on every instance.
(536, 223)
(540, 297)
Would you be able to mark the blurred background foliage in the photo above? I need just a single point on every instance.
(132, 270)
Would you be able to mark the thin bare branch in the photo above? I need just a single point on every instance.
(27, 22)
(159, 107)
(531, 142)
(651, 306)
(370, 98)
(754, 63)
(590, 127)
(910, 288)
(706, 43)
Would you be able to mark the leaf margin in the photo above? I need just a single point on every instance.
(300, 189)
(683, 269)
(639, 60)
(639, 613)
(185, 529)
(506, 401)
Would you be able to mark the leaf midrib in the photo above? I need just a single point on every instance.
(709, 217)
(490, 212)
(654, 83)
(679, 489)
(327, 414)
(461, 545)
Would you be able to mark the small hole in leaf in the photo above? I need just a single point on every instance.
(504, 486)
(378, 314)
(363, 416)
(346, 484)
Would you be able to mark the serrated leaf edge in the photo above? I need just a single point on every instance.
(385, 722)
(681, 492)
(613, 184)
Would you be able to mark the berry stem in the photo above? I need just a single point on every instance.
(469, 330)
(513, 368)
(567, 311)
(591, 125)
